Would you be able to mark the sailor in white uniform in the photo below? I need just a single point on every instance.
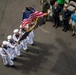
(25, 41)
(13, 44)
(5, 53)
(16, 37)
(30, 36)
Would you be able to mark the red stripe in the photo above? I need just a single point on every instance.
(32, 17)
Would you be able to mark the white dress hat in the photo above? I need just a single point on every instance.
(4, 42)
(9, 37)
(15, 31)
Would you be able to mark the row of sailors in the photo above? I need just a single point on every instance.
(11, 48)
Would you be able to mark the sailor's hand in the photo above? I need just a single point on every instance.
(16, 44)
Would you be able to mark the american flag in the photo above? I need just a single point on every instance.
(32, 17)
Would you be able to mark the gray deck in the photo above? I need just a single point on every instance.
(54, 53)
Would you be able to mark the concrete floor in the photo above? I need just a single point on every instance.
(55, 50)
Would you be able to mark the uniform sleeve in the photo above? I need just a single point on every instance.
(15, 38)
(9, 44)
(3, 52)
(21, 33)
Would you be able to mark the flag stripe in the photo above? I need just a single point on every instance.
(32, 17)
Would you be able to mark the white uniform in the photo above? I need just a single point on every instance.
(14, 48)
(25, 41)
(5, 53)
(19, 46)
(30, 37)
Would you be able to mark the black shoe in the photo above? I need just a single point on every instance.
(14, 59)
(63, 29)
(27, 50)
(33, 44)
(7, 66)
(54, 25)
(43, 23)
(73, 34)
(13, 66)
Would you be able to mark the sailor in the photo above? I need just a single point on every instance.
(25, 41)
(30, 36)
(5, 53)
(16, 37)
(13, 44)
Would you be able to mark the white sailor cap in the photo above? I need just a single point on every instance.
(20, 26)
(4, 42)
(9, 37)
(15, 31)
(27, 26)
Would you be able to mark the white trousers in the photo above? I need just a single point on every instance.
(17, 49)
(24, 44)
(30, 37)
(7, 60)
(13, 54)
